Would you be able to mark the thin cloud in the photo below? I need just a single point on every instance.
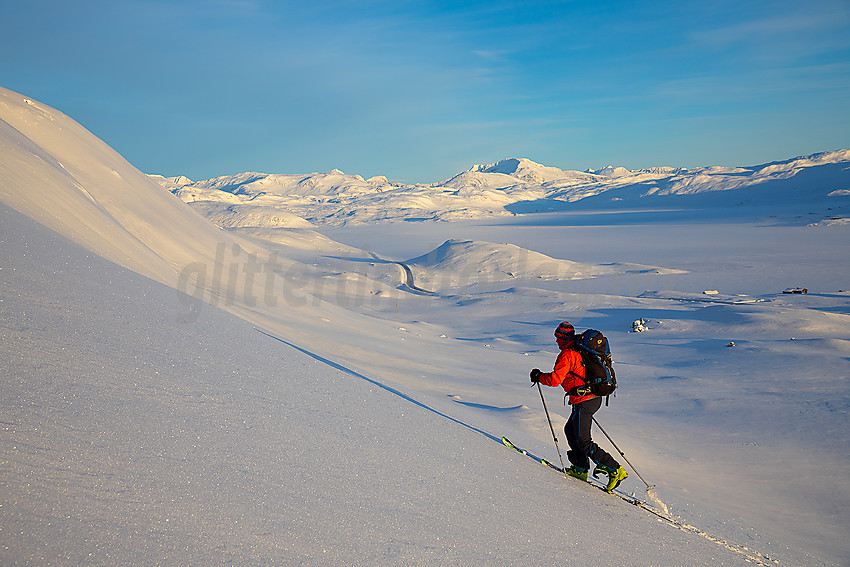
(803, 32)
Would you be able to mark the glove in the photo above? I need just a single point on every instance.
(535, 376)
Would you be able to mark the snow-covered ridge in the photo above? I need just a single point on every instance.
(525, 170)
(54, 170)
(520, 185)
(456, 263)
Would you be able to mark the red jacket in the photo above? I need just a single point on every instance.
(568, 372)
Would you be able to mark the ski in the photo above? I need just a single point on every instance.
(596, 484)
(507, 443)
(753, 556)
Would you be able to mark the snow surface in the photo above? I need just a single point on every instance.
(297, 403)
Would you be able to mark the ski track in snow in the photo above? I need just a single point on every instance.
(751, 555)
(663, 516)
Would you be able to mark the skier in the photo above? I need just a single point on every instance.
(569, 373)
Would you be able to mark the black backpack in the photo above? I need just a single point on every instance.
(598, 365)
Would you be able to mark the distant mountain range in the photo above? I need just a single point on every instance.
(511, 186)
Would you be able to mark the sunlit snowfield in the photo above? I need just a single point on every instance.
(758, 429)
(245, 385)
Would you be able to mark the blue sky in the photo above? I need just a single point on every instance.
(419, 91)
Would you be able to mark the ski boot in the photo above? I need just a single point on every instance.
(615, 476)
(577, 472)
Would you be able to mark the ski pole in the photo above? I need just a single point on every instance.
(555, 437)
(648, 487)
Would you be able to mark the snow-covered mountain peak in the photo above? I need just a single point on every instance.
(523, 169)
(611, 171)
(508, 166)
(520, 185)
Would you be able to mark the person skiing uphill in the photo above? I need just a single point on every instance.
(569, 373)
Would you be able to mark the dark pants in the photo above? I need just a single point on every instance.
(582, 447)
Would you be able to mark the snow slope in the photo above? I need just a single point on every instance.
(748, 437)
(58, 173)
(88, 191)
(403, 394)
(132, 438)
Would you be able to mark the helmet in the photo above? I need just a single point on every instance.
(565, 331)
